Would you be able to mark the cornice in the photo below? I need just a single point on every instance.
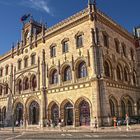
(102, 17)
(72, 21)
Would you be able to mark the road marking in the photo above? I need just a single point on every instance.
(12, 138)
(69, 135)
(96, 136)
(63, 135)
(88, 136)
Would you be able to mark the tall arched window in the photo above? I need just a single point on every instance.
(129, 105)
(19, 86)
(134, 78)
(123, 108)
(26, 83)
(33, 82)
(107, 69)
(19, 64)
(112, 108)
(6, 88)
(1, 89)
(118, 70)
(33, 58)
(0, 115)
(67, 73)
(26, 61)
(125, 74)
(82, 70)
(6, 70)
(54, 77)
(132, 54)
(138, 107)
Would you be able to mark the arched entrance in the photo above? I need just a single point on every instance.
(19, 112)
(55, 114)
(34, 113)
(84, 113)
(68, 114)
(3, 113)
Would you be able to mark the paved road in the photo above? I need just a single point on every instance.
(70, 136)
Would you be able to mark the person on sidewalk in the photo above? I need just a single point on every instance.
(115, 121)
(21, 123)
(127, 122)
(95, 123)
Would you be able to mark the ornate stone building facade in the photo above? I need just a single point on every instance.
(81, 68)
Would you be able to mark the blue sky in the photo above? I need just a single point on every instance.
(124, 12)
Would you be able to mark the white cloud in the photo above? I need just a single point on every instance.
(41, 5)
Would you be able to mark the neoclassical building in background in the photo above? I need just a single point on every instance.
(83, 67)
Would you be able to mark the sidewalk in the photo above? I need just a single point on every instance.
(135, 128)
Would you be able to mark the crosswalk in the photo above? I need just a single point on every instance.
(84, 135)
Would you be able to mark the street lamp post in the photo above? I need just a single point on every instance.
(3, 85)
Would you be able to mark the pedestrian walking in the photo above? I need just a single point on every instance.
(95, 122)
(21, 123)
(17, 123)
(115, 121)
(127, 122)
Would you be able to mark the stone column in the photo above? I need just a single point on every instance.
(74, 115)
(43, 92)
(38, 73)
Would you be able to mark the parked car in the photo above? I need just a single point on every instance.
(133, 121)
(120, 121)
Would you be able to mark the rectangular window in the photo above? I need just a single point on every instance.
(79, 41)
(106, 40)
(53, 51)
(65, 47)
